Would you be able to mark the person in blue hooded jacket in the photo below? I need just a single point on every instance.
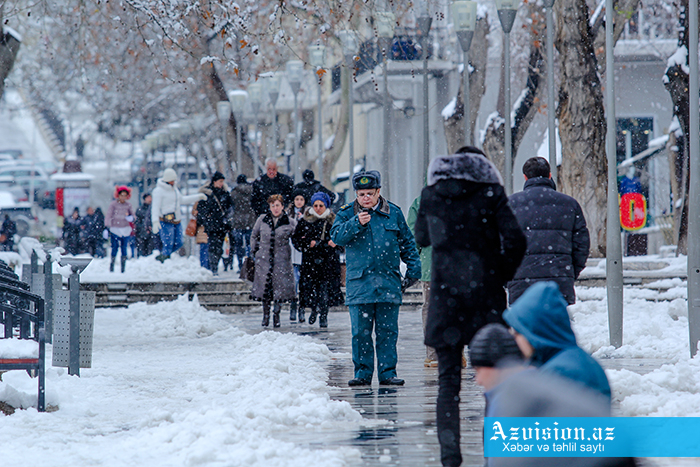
(376, 238)
(543, 333)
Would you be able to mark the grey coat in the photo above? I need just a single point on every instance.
(278, 256)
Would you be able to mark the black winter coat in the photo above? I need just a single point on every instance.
(264, 187)
(143, 226)
(477, 246)
(214, 213)
(557, 238)
(243, 215)
(320, 263)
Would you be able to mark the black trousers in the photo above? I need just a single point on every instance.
(450, 380)
(216, 248)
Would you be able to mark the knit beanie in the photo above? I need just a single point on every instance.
(321, 196)
(491, 345)
(217, 176)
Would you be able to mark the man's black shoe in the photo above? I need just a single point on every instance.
(392, 382)
(359, 382)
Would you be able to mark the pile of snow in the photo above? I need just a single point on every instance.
(652, 330)
(146, 268)
(175, 384)
(19, 348)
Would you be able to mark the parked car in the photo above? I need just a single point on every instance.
(21, 213)
(28, 177)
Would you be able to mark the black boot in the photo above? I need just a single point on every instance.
(111, 263)
(123, 264)
(276, 315)
(323, 320)
(312, 316)
(266, 314)
(293, 311)
(301, 315)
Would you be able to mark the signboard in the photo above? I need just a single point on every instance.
(633, 211)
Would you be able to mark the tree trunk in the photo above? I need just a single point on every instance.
(341, 132)
(582, 127)
(677, 83)
(9, 47)
(478, 55)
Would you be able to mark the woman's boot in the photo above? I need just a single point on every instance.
(323, 319)
(266, 314)
(111, 263)
(293, 310)
(123, 264)
(301, 315)
(276, 315)
(312, 316)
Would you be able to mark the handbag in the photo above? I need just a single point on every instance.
(191, 229)
(247, 272)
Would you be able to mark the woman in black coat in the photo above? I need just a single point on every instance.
(477, 247)
(319, 281)
(214, 214)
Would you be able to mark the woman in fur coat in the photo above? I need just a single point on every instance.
(319, 282)
(274, 280)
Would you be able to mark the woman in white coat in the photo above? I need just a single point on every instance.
(165, 212)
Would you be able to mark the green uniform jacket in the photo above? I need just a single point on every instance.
(426, 254)
(374, 252)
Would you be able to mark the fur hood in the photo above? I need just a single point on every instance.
(470, 167)
(310, 217)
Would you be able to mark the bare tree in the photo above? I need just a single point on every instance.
(9, 47)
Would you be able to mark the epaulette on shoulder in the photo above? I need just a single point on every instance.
(345, 206)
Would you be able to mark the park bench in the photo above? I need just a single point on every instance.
(22, 344)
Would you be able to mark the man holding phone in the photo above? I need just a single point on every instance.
(376, 239)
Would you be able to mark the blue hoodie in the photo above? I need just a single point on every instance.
(540, 315)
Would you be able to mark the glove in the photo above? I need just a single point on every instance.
(105, 234)
(156, 228)
(406, 282)
(202, 196)
(130, 218)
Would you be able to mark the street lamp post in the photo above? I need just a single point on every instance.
(549, 5)
(295, 72)
(255, 96)
(464, 17)
(423, 23)
(238, 99)
(694, 194)
(613, 256)
(349, 42)
(273, 91)
(317, 58)
(507, 9)
(223, 111)
(385, 30)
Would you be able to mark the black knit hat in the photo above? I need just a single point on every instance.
(308, 175)
(217, 176)
(491, 345)
(241, 179)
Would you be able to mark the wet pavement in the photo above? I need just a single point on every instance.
(405, 432)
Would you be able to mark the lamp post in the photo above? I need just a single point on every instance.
(349, 41)
(423, 23)
(238, 99)
(385, 21)
(223, 111)
(255, 96)
(549, 5)
(272, 87)
(694, 195)
(317, 58)
(507, 9)
(613, 256)
(295, 72)
(464, 18)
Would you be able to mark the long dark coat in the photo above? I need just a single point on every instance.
(214, 213)
(557, 238)
(273, 256)
(320, 263)
(477, 246)
(243, 215)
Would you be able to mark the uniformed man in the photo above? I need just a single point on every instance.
(376, 239)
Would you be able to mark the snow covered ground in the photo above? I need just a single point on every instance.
(147, 269)
(175, 384)
(654, 330)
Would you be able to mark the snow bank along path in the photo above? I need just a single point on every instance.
(175, 384)
(656, 330)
